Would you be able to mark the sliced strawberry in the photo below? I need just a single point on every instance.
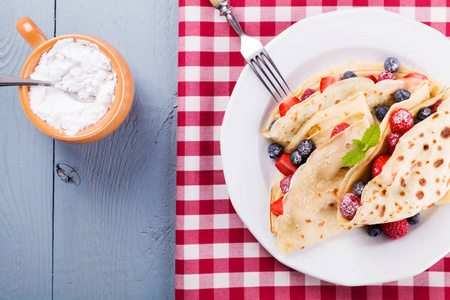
(326, 81)
(285, 166)
(277, 207)
(286, 105)
(379, 163)
(435, 106)
(306, 94)
(339, 128)
(373, 78)
(416, 75)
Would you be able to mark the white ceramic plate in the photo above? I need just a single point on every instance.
(306, 48)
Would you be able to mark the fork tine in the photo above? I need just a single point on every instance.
(250, 63)
(267, 56)
(256, 61)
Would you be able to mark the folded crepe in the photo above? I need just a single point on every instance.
(416, 177)
(309, 208)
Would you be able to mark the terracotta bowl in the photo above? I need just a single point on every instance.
(124, 88)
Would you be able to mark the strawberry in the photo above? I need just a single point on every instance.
(277, 207)
(395, 230)
(435, 106)
(401, 121)
(373, 78)
(284, 183)
(286, 105)
(285, 166)
(386, 75)
(379, 163)
(339, 128)
(392, 141)
(326, 81)
(416, 75)
(306, 94)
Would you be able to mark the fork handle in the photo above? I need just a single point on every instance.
(225, 10)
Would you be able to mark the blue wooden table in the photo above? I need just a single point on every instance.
(112, 236)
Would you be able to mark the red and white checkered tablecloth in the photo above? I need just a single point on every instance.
(216, 256)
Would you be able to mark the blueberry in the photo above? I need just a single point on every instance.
(349, 74)
(296, 158)
(381, 111)
(305, 148)
(271, 124)
(358, 188)
(416, 120)
(424, 113)
(275, 150)
(414, 219)
(402, 95)
(391, 64)
(374, 230)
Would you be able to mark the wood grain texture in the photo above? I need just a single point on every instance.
(26, 158)
(115, 232)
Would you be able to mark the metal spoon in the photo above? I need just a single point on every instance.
(6, 80)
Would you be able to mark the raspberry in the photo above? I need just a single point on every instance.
(395, 230)
(435, 106)
(378, 164)
(339, 128)
(285, 183)
(349, 205)
(392, 141)
(386, 75)
(306, 94)
(401, 121)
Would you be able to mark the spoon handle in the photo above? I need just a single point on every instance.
(6, 80)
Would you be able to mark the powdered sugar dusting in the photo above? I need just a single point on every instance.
(80, 67)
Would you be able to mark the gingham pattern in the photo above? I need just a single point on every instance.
(216, 256)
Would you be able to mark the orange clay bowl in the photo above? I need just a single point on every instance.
(124, 88)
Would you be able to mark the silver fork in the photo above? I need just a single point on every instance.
(256, 56)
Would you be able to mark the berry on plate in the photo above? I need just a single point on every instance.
(402, 95)
(339, 128)
(424, 113)
(378, 164)
(435, 106)
(386, 75)
(275, 150)
(306, 147)
(285, 183)
(326, 81)
(306, 94)
(416, 75)
(414, 219)
(381, 111)
(349, 74)
(395, 230)
(392, 141)
(401, 121)
(296, 158)
(277, 207)
(286, 105)
(374, 230)
(285, 166)
(349, 205)
(358, 188)
(391, 64)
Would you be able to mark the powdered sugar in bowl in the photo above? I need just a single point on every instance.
(104, 93)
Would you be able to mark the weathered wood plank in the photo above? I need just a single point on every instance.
(114, 233)
(26, 159)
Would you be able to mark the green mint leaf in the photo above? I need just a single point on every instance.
(353, 157)
(371, 137)
(359, 144)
